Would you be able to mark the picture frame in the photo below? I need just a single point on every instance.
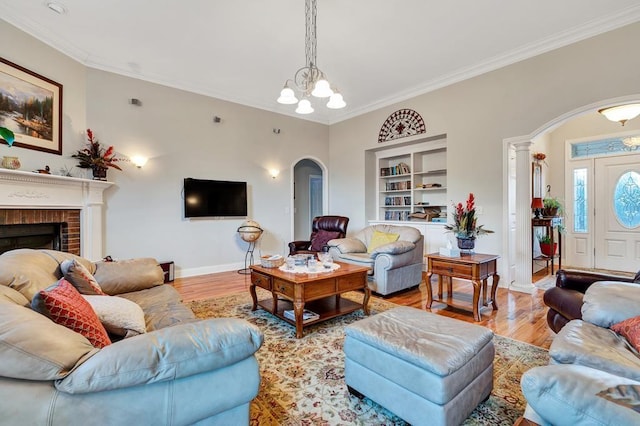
(31, 107)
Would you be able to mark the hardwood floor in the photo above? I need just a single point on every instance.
(520, 316)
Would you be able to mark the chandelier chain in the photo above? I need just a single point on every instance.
(311, 41)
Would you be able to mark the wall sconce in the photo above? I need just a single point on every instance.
(139, 161)
(274, 173)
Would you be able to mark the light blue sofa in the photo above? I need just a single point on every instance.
(594, 376)
(182, 371)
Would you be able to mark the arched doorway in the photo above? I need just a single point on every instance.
(517, 204)
(309, 195)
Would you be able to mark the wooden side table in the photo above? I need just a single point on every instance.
(550, 225)
(474, 267)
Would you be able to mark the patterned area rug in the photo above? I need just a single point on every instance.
(303, 379)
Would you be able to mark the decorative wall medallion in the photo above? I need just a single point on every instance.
(400, 124)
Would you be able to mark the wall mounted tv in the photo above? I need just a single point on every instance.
(214, 198)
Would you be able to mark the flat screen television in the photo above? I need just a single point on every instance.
(214, 198)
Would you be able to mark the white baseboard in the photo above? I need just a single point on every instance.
(204, 270)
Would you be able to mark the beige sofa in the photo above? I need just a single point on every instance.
(181, 371)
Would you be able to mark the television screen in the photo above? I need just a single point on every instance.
(220, 198)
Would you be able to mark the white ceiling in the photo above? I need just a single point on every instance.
(376, 52)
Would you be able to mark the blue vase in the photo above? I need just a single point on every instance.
(466, 243)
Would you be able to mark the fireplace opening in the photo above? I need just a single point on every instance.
(35, 236)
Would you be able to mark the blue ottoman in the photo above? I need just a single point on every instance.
(425, 368)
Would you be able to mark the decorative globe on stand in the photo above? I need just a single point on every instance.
(250, 231)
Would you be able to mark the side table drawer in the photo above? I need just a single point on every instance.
(283, 287)
(261, 280)
(452, 269)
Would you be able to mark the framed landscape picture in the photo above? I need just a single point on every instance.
(31, 107)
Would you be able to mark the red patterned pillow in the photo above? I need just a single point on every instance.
(65, 306)
(630, 330)
(321, 239)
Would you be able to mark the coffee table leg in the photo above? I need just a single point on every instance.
(477, 285)
(365, 301)
(254, 297)
(494, 286)
(298, 308)
(429, 290)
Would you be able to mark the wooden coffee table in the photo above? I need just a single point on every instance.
(317, 292)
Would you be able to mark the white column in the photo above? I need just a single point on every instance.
(92, 228)
(523, 279)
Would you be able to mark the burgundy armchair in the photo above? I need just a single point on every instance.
(323, 229)
(566, 298)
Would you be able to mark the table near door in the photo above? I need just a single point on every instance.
(473, 267)
(551, 227)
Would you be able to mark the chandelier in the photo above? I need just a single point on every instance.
(309, 80)
(621, 113)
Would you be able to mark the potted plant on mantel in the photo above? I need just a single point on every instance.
(465, 225)
(95, 157)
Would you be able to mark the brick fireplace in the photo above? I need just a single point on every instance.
(74, 205)
(68, 222)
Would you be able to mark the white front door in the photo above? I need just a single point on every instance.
(617, 218)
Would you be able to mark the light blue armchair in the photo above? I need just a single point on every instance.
(393, 266)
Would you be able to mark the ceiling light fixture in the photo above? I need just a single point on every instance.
(621, 113)
(57, 7)
(632, 141)
(309, 80)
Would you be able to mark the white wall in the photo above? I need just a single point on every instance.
(587, 125)
(176, 130)
(478, 114)
(26, 51)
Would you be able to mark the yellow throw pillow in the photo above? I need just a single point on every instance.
(380, 238)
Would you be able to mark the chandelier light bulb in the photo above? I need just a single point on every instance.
(304, 107)
(287, 96)
(322, 89)
(336, 101)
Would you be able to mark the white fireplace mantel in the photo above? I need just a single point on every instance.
(27, 190)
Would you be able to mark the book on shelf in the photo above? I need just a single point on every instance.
(400, 169)
(307, 315)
